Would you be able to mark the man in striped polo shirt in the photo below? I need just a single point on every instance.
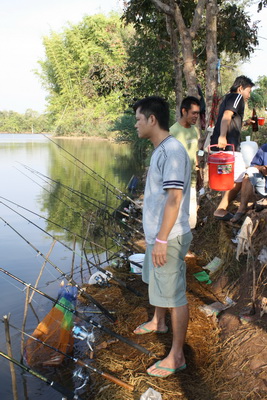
(167, 231)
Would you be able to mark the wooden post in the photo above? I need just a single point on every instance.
(24, 321)
(42, 268)
(9, 351)
(73, 257)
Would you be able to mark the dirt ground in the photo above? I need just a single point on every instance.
(226, 354)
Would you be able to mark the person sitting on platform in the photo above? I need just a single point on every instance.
(254, 182)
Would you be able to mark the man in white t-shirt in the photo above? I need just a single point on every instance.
(167, 230)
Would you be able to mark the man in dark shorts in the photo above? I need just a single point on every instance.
(227, 130)
(167, 230)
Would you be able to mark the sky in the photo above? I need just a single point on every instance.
(23, 23)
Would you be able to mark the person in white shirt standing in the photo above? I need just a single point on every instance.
(167, 231)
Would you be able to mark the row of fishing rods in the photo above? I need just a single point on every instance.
(102, 206)
(74, 359)
(88, 320)
(89, 171)
(118, 255)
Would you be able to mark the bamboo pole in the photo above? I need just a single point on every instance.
(26, 307)
(9, 351)
(42, 268)
(73, 257)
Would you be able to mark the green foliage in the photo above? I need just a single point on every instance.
(258, 98)
(31, 121)
(84, 72)
(236, 35)
(126, 132)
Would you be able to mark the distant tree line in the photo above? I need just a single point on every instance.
(31, 121)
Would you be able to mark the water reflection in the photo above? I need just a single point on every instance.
(56, 203)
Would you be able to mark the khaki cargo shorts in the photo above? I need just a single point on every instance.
(167, 284)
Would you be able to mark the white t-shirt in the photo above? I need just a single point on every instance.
(170, 167)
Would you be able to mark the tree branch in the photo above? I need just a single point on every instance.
(163, 7)
(197, 17)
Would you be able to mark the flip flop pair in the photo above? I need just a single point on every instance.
(146, 330)
(170, 371)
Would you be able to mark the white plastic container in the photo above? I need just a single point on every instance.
(248, 150)
(138, 258)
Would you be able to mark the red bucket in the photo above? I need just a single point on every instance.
(261, 121)
(221, 169)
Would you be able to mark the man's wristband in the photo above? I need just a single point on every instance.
(161, 241)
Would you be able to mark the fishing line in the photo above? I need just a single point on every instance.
(79, 315)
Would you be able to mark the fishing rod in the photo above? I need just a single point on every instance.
(81, 316)
(68, 277)
(86, 198)
(107, 273)
(116, 241)
(59, 388)
(81, 195)
(77, 360)
(95, 175)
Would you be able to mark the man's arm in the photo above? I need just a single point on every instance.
(171, 211)
(225, 123)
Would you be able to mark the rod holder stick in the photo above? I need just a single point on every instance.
(9, 351)
(26, 307)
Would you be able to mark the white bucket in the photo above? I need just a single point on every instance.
(138, 258)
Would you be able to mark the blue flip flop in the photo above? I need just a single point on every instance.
(142, 326)
(170, 370)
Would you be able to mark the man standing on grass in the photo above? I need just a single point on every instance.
(227, 130)
(167, 230)
(185, 129)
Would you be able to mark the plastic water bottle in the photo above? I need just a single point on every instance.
(248, 150)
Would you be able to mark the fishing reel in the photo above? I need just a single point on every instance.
(81, 333)
(101, 281)
(81, 376)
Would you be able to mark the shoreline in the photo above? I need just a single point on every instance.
(60, 137)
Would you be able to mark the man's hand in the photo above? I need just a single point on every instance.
(222, 142)
(159, 254)
(263, 170)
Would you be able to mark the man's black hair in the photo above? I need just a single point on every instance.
(243, 81)
(157, 106)
(187, 102)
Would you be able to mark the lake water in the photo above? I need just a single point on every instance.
(31, 169)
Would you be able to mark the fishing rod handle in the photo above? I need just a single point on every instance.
(106, 375)
(118, 381)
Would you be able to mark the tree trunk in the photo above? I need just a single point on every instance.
(187, 35)
(187, 51)
(212, 55)
(178, 83)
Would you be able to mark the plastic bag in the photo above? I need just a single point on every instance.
(151, 394)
